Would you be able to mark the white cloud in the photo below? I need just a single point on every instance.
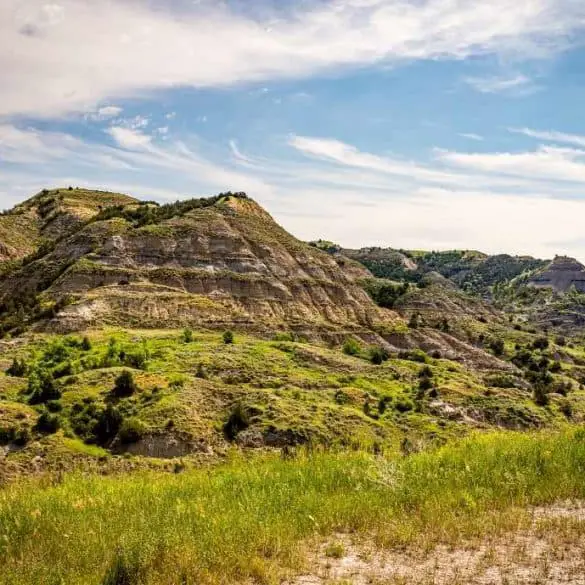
(546, 163)
(62, 49)
(551, 136)
(496, 202)
(472, 136)
(128, 138)
(518, 84)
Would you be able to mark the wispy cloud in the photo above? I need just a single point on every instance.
(60, 47)
(331, 189)
(551, 136)
(515, 84)
(472, 136)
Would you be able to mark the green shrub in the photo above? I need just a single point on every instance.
(187, 335)
(540, 343)
(131, 431)
(86, 344)
(201, 372)
(125, 385)
(228, 337)
(41, 387)
(238, 420)
(48, 423)
(378, 355)
(351, 347)
(17, 369)
(403, 405)
(497, 346)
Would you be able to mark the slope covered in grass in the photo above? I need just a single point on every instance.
(253, 519)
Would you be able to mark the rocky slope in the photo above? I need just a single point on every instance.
(216, 262)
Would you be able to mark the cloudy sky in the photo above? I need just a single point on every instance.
(412, 123)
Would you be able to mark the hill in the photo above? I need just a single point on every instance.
(213, 262)
(48, 216)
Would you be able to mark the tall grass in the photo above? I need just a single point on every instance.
(250, 518)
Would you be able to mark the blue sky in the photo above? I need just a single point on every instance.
(410, 123)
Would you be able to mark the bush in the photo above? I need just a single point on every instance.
(17, 369)
(107, 425)
(187, 335)
(201, 372)
(351, 347)
(425, 384)
(540, 394)
(403, 405)
(125, 385)
(42, 388)
(540, 343)
(566, 408)
(137, 359)
(86, 344)
(131, 431)
(378, 355)
(497, 346)
(48, 423)
(425, 372)
(228, 337)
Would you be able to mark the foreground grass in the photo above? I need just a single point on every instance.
(251, 519)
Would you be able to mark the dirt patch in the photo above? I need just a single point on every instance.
(551, 551)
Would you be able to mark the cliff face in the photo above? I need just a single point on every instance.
(220, 264)
(561, 274)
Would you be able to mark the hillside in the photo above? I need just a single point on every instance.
(206, 262)
(224, 330)
(50, 215)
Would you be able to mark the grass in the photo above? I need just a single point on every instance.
(252, 519)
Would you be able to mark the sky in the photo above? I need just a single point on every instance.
(426, 124)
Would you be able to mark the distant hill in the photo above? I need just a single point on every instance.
(470, 270)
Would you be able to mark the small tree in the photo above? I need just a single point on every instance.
(187, 335)
(125, 385)
(86, 344)
(228, 337)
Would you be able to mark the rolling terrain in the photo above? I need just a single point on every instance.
(186, 348)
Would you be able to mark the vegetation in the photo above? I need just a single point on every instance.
(194, 528)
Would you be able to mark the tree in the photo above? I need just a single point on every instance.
(17, 369)
(187, 335)
(228, 337)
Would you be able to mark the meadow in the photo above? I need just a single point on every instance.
(254, 518)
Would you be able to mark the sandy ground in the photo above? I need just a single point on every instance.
(551, 551)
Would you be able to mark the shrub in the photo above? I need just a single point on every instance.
(403, 405)
(417, 355)
(48, 423)
(131, 431)
(136, 359)
(378, 355)
(187, 335)
(425, 372)
(22, 436)
(555, 366)
(201, 372)
(566, 408)
(351, 347)
(540, 343)
(497, 346)
(540, 394)
(17, 369)
(124, 385)
(86, 344)
(228, 337)
(42, 388)
(425, 384)
(383, 403)
(107, 425)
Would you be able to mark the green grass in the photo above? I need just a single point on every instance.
(254, 518)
